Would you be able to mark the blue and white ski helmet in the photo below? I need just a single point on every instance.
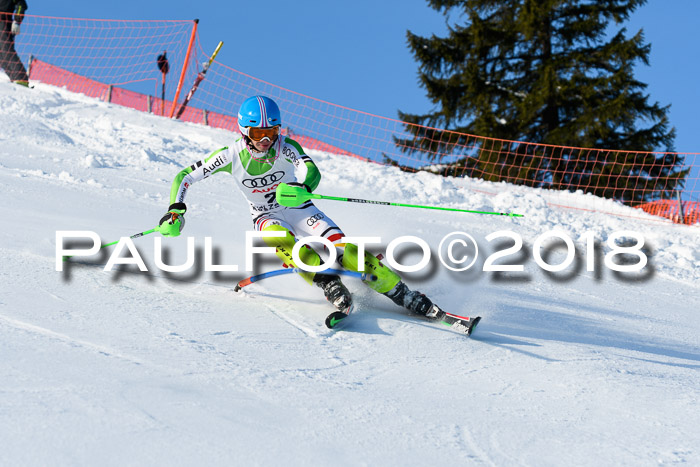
(258, 111)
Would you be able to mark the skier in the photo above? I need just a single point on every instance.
(259, 161)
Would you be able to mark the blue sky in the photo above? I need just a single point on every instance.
(354, 53)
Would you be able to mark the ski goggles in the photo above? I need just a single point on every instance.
(259, 134)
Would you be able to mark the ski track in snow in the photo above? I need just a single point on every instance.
(126, 367)
(274, 309)
(102, 350)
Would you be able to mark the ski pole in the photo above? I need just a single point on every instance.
(293, 196)
(140, 234)
(278, 272)
(200, 77)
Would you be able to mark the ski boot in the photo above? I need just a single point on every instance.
(414, 301)
(338, 295)
(420, 304)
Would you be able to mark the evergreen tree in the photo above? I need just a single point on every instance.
(547, 72)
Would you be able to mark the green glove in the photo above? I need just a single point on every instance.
(173, 222)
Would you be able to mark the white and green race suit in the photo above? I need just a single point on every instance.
(257, 176)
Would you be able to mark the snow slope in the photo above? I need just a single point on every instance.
(132, 368)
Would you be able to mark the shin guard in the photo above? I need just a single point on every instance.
(285, 245)
(386, 278)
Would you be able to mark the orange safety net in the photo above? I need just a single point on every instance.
(116, 61)
(681, 212)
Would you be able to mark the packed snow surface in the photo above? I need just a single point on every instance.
(576, 367)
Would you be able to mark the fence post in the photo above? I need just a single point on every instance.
(149, 104)
(680, 206)
(184, 68)
(109, 93)
(206, 117)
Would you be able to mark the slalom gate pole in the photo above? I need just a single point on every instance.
(140, 234)
(184, 68)
(294, 196)
(200, 77)
(279, 272)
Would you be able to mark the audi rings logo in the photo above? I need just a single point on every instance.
(262, 182)
(313, 219)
